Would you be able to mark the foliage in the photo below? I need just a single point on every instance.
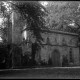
(32, 12)
(33, 15)
(4, 22)
(61, 14)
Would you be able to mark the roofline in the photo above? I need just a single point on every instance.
(60, 32)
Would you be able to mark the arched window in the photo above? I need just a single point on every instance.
(71, 55)
(48, 41)
(64, 41)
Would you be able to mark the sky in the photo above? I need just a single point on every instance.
(44, 3)
(49, 3)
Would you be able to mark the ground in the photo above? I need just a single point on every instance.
(41, 73)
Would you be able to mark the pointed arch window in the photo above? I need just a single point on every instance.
(56, 41)
(71, 55)
(48, 41)
(64, 41)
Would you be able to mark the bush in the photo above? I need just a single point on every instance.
(43, 63)
(25, 60)
(49, 62)
(16, 56)
(3, 56)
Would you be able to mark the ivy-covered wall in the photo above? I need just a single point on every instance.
(63, 43)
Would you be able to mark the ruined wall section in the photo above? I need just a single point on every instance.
(63, 43)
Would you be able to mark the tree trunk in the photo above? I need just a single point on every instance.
(34, 49)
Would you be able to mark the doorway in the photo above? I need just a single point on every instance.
(56, 58)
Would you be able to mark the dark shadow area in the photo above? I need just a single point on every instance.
(5, 56)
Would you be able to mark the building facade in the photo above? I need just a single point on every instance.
(60, 47)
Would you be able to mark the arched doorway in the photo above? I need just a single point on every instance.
(56, 58)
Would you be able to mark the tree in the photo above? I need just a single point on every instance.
(61, 14)
(32, 13)
(5, 24)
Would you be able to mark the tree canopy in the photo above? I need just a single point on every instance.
(57, 15)
(32, 12)
(63, 13)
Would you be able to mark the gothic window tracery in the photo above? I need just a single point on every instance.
(64, 41)
(48, 41)
(56, 41)
(70, 42)
(71, 55)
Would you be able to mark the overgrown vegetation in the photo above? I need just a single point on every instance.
(57, 16)
(33, 15)
(62, 14)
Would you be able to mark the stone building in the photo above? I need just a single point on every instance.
(56, 46)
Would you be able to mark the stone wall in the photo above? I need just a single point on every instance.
(61, 42)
